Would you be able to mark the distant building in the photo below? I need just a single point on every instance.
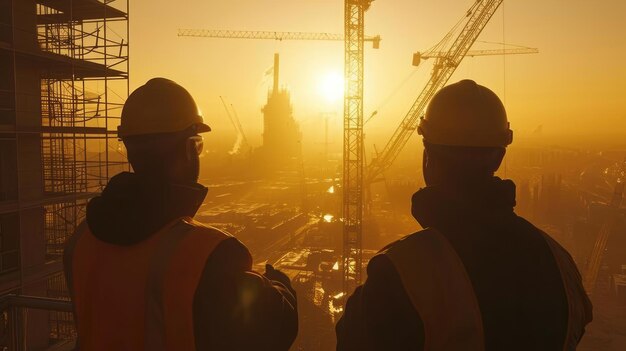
(281, 133)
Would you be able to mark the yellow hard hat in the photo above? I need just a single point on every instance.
(466, 114)
(160, 106)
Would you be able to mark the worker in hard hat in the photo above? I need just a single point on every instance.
(478, 277)
(143, 275)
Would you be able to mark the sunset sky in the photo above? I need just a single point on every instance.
(575, 86)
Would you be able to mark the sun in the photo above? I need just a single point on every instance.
(330, 86)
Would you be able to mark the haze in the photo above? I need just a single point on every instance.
(573, 88)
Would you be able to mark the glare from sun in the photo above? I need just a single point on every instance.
(330, 86)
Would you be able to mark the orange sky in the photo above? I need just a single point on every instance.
(575, 86)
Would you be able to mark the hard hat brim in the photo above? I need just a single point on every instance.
(159, 107)
(202, 128)
(453, 136)
(197, 128)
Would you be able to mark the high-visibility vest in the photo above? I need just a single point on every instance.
(139, 297)
(440, 290)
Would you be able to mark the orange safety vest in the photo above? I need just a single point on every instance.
(139, 297)
(440, 290)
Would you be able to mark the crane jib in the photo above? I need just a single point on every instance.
(443, 69)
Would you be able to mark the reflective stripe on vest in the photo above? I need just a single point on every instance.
(578, 317)
(439, 288)
(441, 292)
(140, 297)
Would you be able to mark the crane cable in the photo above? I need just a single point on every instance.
(393, 93)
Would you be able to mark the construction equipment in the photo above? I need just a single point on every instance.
(240, 128)
(595, 260)
(475, 20)
(353, 150)
(234, 120)
(512, 50)
(280, 36)
(353, 155)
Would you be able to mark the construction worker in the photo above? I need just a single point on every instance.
(143, 275)
(478, 277)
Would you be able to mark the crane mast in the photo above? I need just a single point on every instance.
(478, 16)
(353, 160)
(353, 150)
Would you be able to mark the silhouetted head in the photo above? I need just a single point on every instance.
(465, 133)
(160, 128)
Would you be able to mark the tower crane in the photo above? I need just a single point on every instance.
(475, 20)
(515, 50)
(269, 35)
(353, 150)
(418, 57)
(234, 120)
(353, 155)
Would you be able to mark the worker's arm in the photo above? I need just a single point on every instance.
(379, 315)
(237, 309)
(582, 314)
(351, 331)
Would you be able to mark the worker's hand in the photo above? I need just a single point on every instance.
(272, 273)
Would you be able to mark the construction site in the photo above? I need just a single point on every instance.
(317, 197)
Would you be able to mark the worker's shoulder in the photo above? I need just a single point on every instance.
(228, 250)
(71, 241)
(564, 259)
(382, 261)
(528, 227)
(422, 237)
(203, 229)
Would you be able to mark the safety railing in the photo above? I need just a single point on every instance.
(14, 322)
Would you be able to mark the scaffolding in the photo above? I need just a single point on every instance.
(81, 102)
(82, 94)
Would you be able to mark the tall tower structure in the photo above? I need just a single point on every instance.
(354, 25)
(281, 133)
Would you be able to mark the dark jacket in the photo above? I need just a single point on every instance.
(132, 208)
(515, 277)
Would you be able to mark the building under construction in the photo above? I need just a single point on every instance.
(281, 133)
(63, 83)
